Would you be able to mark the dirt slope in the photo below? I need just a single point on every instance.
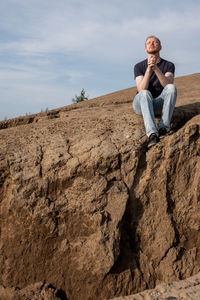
(86, 208)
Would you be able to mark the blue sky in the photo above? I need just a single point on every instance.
(50, 50)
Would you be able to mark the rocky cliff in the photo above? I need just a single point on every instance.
(188, 289)
(87, 212)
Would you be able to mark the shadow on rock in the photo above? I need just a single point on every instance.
(183, 114)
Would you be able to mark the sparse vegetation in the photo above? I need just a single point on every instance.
(46, 110)
(80, 98)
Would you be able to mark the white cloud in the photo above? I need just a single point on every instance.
(91, 36)
(67, 31)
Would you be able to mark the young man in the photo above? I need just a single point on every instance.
(156, 91)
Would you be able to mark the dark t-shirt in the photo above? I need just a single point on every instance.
(154, 84)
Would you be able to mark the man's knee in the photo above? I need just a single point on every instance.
(171, 88)
(145, 96)
(141, 99)
(145, 93)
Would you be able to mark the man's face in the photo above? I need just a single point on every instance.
(152, 46)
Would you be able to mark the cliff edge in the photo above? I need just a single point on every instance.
(87, 212)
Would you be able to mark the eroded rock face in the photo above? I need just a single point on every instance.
(188, 289)
(160, 237)
(85, 206)
(37, 291)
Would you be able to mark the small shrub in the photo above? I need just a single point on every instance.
(80, 98)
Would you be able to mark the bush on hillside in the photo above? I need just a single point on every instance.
(80, 98)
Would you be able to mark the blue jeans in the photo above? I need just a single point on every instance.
(147, 106)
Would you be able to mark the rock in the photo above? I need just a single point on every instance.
(37, 291)
(85, 207)
(188, 289)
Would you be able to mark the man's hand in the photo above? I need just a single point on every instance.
(152, 62)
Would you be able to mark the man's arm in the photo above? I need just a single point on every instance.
(163, 78)
(142, 82)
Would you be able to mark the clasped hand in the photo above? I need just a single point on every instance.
(152, 62)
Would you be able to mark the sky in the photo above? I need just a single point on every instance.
(50, 50)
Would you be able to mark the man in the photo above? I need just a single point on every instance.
(156, 92)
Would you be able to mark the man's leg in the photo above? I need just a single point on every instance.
(143, 105)
(166, 101)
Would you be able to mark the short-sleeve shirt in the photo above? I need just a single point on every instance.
(154, 84)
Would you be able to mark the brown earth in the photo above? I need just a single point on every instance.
(37, 291)
(188, 289)
(87, 212)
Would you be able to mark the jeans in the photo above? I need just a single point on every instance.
(144, 104)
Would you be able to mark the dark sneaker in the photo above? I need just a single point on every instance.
(162, 131)
(153, 139)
